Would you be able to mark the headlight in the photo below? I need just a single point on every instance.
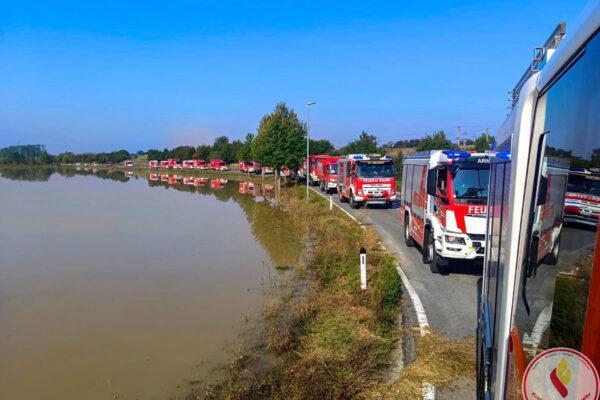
(454, 239)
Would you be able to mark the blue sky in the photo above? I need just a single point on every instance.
(95, 76)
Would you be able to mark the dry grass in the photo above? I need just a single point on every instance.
(440, 362)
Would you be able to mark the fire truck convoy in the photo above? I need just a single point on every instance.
(366, 179)
(541, 275)
(443, 205)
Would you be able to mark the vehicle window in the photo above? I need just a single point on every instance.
(552, 307)
(408, 187)
(442, 180)
(470, 184)
(371, 170)
(333, 168)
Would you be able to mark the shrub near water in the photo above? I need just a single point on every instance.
(335, 338)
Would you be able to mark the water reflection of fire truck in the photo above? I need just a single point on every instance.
(154, 177)
(582, 204)
(218, 183)
(188, 180)
(366, 179)
(164, 177)
(199, 182)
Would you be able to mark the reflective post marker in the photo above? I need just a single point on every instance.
(330, 202)
(363, 268)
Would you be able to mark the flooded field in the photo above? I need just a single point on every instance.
(130, 287)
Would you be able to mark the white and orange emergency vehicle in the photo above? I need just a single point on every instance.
(443, 205)
(366, 179)
(540, 292)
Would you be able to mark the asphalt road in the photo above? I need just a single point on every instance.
(450, 300)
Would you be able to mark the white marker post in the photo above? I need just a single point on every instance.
(330, 202)
(363, 268)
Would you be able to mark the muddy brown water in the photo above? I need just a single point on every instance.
(126, 288)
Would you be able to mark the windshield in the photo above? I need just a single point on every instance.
(375, 170)
(470, 184)
(333, 168)
(584, 184)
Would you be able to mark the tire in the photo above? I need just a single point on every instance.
(437, 264)
(353, 203)
(408, 240)
(426, 251)
(341, 196)
(388, 204)
(322, 186)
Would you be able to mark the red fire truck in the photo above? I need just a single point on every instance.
(443, 205)
(218, 165)
(327, 169)
(312, 177)
(200, 164)
(128, 163)
(188, 164)
(366, 179)
(582, 202)
(164, 164)
(173, 163)
(153, 164)
(251, 167)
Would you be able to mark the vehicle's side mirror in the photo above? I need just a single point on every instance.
(543, 191)
(431, 182)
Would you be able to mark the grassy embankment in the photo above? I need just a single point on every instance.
(333, 338)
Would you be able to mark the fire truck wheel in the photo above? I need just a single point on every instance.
(353, 203)
(322, 186)
(436, 265)
(341, 195)
(428, 250)
(408, 240)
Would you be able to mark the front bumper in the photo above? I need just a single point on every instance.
(373, 199)
(473, 247)
(331, 185)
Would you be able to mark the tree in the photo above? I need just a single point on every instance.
(364, 144)
(245, 151)
(322, 146)
(483, 142)
(280, 139)
(437, 141)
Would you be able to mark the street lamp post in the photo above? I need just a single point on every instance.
(307, 171)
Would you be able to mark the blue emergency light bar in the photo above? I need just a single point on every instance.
(456, 154)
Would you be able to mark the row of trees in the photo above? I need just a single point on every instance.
(280, 141)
